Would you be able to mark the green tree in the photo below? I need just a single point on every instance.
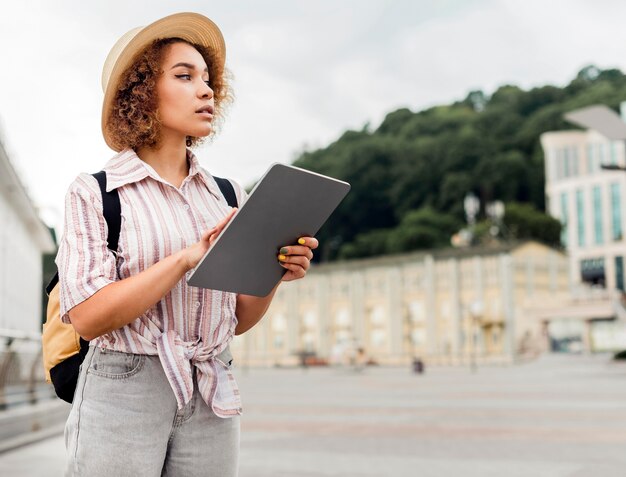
(417, 167)
(523, 221)
(422, 229)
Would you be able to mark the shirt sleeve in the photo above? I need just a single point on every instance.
(84, 262)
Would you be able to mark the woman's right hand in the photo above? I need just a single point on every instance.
(195, 252)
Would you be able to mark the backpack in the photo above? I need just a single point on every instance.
(63, 349)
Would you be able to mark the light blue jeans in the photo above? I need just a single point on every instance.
(124, 422)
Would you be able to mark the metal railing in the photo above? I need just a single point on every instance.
(22, 377)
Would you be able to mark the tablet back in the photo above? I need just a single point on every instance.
(287, 203)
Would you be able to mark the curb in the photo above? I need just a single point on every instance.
(30, 438)
(28, 424)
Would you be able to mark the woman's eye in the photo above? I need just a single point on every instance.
(188, 77)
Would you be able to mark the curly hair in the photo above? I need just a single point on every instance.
(134, 120)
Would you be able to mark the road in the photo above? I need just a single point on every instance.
(559, 416)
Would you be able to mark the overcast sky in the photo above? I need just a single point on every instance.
(305, 71)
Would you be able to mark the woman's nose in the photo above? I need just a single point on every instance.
(206, 91)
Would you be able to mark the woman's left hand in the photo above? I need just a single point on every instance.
(296, 259)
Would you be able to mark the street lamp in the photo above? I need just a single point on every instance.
(465, 237)
(471, 204)
(495, 211)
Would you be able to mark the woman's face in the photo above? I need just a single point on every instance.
(185, 100)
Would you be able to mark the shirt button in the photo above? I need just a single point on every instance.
(186, 206)
(197, 304)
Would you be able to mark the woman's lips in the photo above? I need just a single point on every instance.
(205, 114)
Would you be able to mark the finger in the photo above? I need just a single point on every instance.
(297, 250)
(207, 235)
(226, 219)
(310, 242)
(215, 231)
(296, 270)
(298, 260)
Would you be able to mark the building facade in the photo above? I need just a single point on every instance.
(589, 202)
(23, 241)
(450, 306)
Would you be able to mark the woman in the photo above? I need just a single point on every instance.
(155, 394)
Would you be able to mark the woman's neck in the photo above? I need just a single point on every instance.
(169, 161)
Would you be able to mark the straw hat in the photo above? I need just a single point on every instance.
(191, 27)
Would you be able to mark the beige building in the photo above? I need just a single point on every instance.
(449, 306)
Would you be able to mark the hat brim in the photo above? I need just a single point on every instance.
(192, 27)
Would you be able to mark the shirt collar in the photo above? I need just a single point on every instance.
(126, 168)
(196, 170)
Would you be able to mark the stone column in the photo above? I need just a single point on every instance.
(293, 317)
(508, 304)
(395, 312)
(457, 308)
(431, 313)
(323, 314)
(357, 305)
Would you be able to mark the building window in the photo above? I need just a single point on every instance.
(580, 212)
(616, 211)
(495, 337)
(574, 158)
(600, 153)
(279, 341)
(416, 311)
(619, 273)
(342, 318)
(418, 337)
(590, 165)
(564, 215)
(597, 215)
(566, 162)
(559, 164)
(378, 338)
(613, 153)
(592, 271)
(310, 319)
(279, 323)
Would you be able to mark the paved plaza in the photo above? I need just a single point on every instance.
(558, 416)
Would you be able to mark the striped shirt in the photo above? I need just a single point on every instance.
(190, 326)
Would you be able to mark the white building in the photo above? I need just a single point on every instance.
(23, 241)
(588, 200)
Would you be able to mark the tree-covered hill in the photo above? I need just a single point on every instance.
(409, 177)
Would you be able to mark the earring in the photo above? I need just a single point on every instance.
(188, 141)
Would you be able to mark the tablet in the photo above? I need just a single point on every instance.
(286, 204)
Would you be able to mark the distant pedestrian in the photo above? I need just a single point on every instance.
(418, 365)
(360, 359)
(156, 395)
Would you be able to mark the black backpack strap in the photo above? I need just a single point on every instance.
(112, 211)
(228, 191)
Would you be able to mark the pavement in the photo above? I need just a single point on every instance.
(558, 416)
